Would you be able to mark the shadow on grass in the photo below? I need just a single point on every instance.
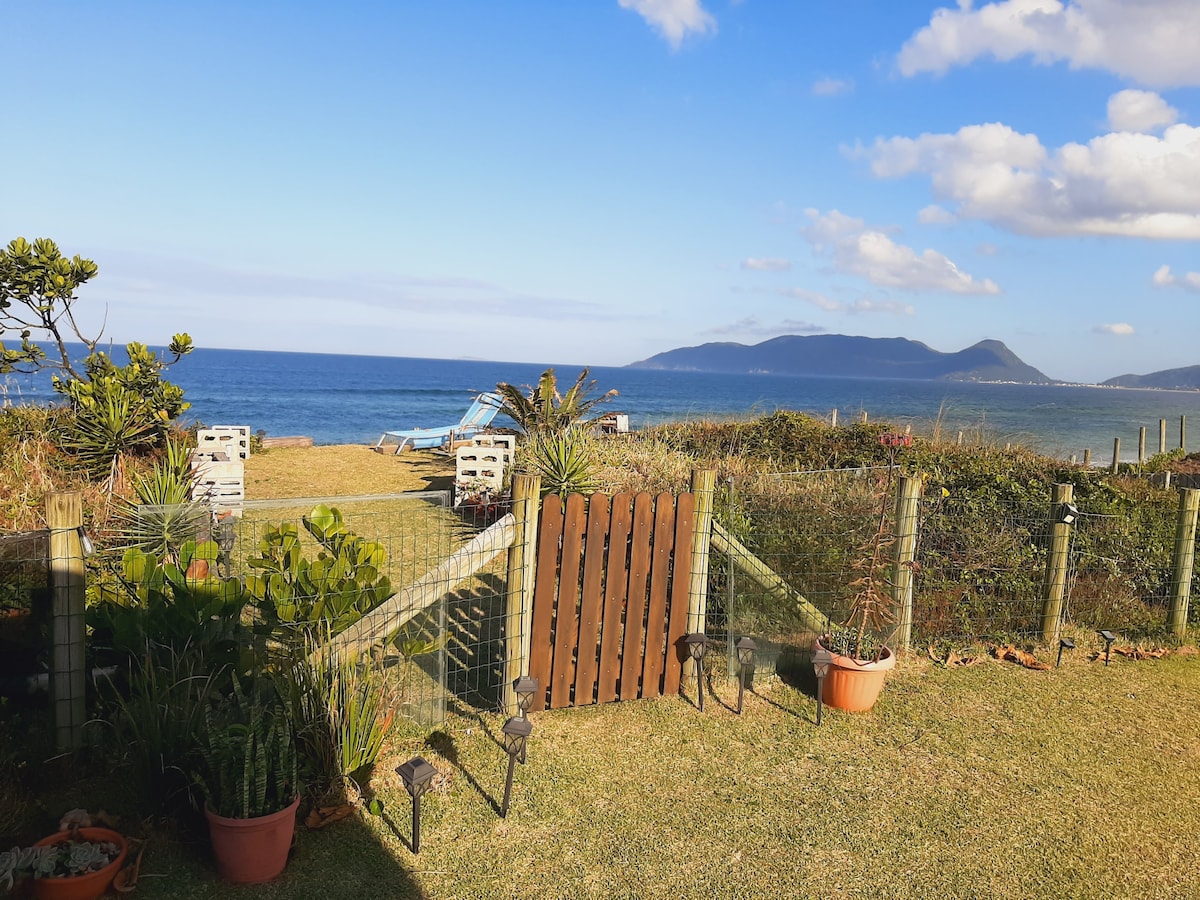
(443, 744)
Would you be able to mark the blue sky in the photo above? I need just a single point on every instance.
(595, 182)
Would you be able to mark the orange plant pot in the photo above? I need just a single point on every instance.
(852, 685)
(90, 885)
(251, 851)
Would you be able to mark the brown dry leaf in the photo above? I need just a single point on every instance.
(952, 659)
(126, 880)
(321, 816)
(1140, 652)
(1019, 656)
(1187, 650)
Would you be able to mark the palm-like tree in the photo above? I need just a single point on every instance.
(545, 410)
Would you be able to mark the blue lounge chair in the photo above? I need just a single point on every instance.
(480, 414)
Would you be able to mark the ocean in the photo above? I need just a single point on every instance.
(344, 399)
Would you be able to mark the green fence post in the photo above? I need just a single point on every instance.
(64, 518)
(1057, 562)
(703, 485)
(526, 504)
(908, 499)
(1185, 551)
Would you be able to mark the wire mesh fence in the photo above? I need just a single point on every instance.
(313, 566)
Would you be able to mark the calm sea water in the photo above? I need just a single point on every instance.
(337, 399)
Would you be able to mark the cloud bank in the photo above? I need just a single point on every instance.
(674, 19)
(1152, 42)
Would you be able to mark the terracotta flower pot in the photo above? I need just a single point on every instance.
(251, 851)
(90, 885)
(852, 685)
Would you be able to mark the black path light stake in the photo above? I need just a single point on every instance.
(417, 776)
(745, 651)
(526, 688)
(516, 734)
(821, 663)
(1064, 644)
(697, 643)
(1067, 513)
(1109, 637)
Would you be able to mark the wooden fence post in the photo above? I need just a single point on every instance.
(522, 556)
(703, 485)
(1116, 455)
(1141, 445)
(863, 417)
(1162, 435)
(1185, 550)
(833, 418)
(1087, 458)
(1057, 562)
(64, 518)
(1183, 433)
(908, 497)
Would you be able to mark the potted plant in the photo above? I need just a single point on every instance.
(248, 776)
(853, 655)
(76, 863)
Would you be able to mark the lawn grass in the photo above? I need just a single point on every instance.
(345, 470)
(992, 780)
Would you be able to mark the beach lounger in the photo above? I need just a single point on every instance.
(480, 414)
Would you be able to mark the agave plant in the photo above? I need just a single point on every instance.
(564, 461)
(545, 409)
(165, 516)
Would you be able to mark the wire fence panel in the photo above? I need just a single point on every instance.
(452, 646)
(811, 530)
(24, 609)
(978, 574)
(1122, 573)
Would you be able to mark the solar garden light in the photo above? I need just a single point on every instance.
(516, 734)
(821, 660)
(1064, 644)
(525, 688)
(417, 776)
(1067, 513)
(697, 643)
(1109, 637)
(745, 652)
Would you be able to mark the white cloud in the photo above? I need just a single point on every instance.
(869, 253)
(1164, 277)
(1120, 329)
(1122, 184)
(830, 87)
(817, 299)
(1139, 111)
(752, 326)
(936, 215)
(673, 19)
(766, 264)
(1154, 42)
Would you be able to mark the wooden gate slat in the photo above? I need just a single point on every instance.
(590, 600)
(566, 615)
(616, 591)
(681, 579)
(542, 632)
(635, 609)
(656, 612)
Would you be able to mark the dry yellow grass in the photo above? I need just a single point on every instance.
(344, 470)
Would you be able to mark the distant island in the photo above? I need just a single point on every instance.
(1185, 379)
(842, 355)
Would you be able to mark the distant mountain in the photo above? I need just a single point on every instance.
(1187, 378)
(838, 354)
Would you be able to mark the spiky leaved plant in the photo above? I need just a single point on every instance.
(248, 764)
(565, 461)
(545, 409)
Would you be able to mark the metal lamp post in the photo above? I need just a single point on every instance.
(697, 644)
(525, 688)
(417, 775)
(822, 660)
(745, 654)
(1109, 637)
(516, 733)
(1064, 644)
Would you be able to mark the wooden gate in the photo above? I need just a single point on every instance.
(610, 601)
